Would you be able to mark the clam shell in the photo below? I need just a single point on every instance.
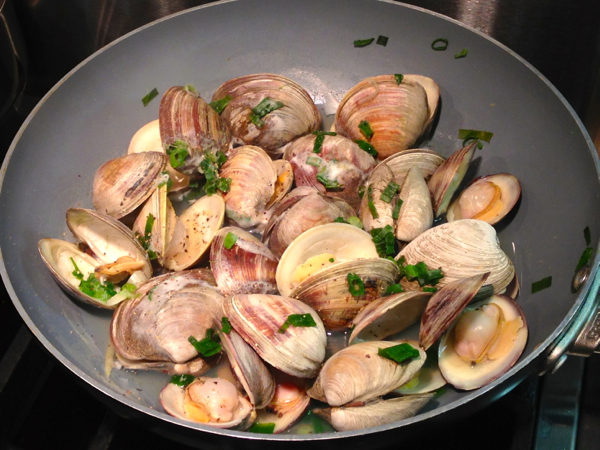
(298, 116)
(345, 242)
(400, 163)
(122, 184)
(374, 413)
(327, 292)
(397, 113)
(464, 375)
(357, 373)
(462, 248)
(339, 160)
(299, 351)
(247, 268)
(253, 178)
(416, 213)
(288, 404)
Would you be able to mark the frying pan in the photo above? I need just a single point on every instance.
(90, 115)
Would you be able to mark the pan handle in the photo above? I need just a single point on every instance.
(582, 338)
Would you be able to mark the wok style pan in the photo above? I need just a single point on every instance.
(89, 117)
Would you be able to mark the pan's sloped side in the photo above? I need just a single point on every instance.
(92, 113)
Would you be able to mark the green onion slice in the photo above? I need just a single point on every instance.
(318, 143)
(366, 130)
(364, 145)
(182, 380)
(423, 274)
(353, 220)
(220, 105)
(396, 211)
(394, 289)
(314, 161)
(265, 107)
(208, 346)
(384, 240)
(229, 241)
(355, 285)
(541, 284)
(440, 44)
(461, 54)
(389, 192)
(382, 40)
(399, 77)
(371, 204)
(475, 134)
(177, 152)
(298, 320)
(324, 133)
(585, 258)
(225, 325)
(429, 289)
(363, 42)
(264, 428)
(399, 353)
(329, 184)
(150, 96)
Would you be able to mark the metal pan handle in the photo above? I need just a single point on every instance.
(582, 338)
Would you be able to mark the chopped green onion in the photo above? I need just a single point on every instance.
(151, 293)
(355, 285)
(182, 380)
(264, 428)
(366, 130)
(331, 260)
(399, 77)
(384, 240)
(541, 284)
(150, 96)
(439, 392)
(394, 289)
(382, 40)
(371, 204)
(440, 44)
(399, 353)
(324, 133)
(224, 184)
(168, 182)
(210, 166)
(585, 258)
(587, 235)
(361, 190)
(265, 107)
(461, 54)
(229, 241)
(396, 211)
(475, 134)
(364, 145)
(389, 192)
(130, 287)
(340, 220)
(225, 325)
(363, 42)
(92, 286)
(353, 220)
(208, 346)
(422, 273)
(147, 237)
(318, 143)
(220, 105)
(298, 320)
(190, 88)
(329, 184)
(177, 152)
(429, 289)
(314, 161)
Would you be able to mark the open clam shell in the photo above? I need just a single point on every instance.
(500, 354)
(297, 351)
(124, 183)
(328, 292)
(462, 248)
(248, 267)
(315, 249)
(288, 404)
(298, 116)
(398, 114)
(358, 373)
(416, 213)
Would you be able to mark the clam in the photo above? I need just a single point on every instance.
(336, 170)
(212, 401)
(374, 412)
(259, 319)
(122, 184)
(295, 115)
(445, 180)
(288, 404)
(398, 114)
(302, 209)
(485, 341)
(416, 213)
(358, 373)
(487, 198)
(147, 139)
(246, 266)
(253, 179)
(190, 124)
(321, 247)
(194, 232)
(462, 248)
